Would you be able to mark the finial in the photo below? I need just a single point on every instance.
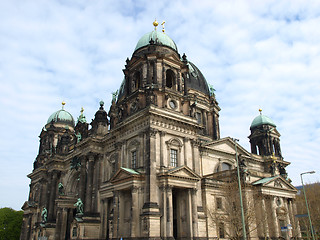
(63, 103)
(163, 26)
(101, 104)
(260, 110)
(155, 24)
(82, 110)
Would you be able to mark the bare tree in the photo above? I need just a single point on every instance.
(313, 194)
(225, 212)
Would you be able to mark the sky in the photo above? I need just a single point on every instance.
(256, 54)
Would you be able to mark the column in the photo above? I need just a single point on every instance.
(89, 184)
(288, 220)
(169, 212)
(43, 197)
(135, 212)
(115, 214)
(104, 210)
(53, 190)
(63, 218)
(95, 185)
(150, 166)
(185, 140)
(264, 218)
(274, 216)
(163, 204)
(162, 150)
(58, 224)
(193, 146)
(83, 175)
(194, 204)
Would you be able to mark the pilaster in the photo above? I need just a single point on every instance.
(89, 183)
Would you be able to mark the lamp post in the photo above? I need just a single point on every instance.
(305, 198)
(240, 192)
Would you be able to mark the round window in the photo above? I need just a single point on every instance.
(172, 104)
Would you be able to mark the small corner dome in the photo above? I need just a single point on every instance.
(61, 116)
(160, 38)
(262, 120)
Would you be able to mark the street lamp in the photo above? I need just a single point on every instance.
(305, 197)
(240, 192)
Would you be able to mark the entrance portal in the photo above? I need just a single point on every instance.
(181, 213)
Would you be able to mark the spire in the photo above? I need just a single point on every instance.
(260, 110)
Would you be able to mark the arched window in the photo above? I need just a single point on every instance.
(135, 83)
(225, 166)
(170, 79)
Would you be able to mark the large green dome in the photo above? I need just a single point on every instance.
(158, 37)
(61, 116)
(262, 120)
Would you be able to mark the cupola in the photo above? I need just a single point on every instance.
(61, 118)
(157, 38)
(264, 137)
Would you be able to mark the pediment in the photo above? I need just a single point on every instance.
(29, 204)
(227, 145)
(183, 172)
(124, 174)
(275, 182)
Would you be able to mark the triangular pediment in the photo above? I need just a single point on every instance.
(226, 145)
(124, 174)
(28, 204)
(275, 182)
(182, 172)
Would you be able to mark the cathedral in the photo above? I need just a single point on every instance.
(155, 166)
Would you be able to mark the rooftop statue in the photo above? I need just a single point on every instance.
(114, 96)
(44, 215)
(61, 189)
(79, 205)
(211, 89)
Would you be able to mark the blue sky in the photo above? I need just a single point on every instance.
(256, 54)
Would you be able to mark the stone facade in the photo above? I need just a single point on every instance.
(155, 167)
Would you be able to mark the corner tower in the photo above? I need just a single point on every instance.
(264, 137)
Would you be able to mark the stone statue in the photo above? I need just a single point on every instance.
(61, 189)
(75, 163)
(79, 205)
(282, 171)
(78, 137)
(273, 168)
(211, 90)
(114, 96)
(44, 215)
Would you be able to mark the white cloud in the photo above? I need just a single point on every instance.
(255, 53)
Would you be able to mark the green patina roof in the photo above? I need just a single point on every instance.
(130, 170)
(61, 116)
(261, 120)
(158, 38)
(264, 180)
(82, 118)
